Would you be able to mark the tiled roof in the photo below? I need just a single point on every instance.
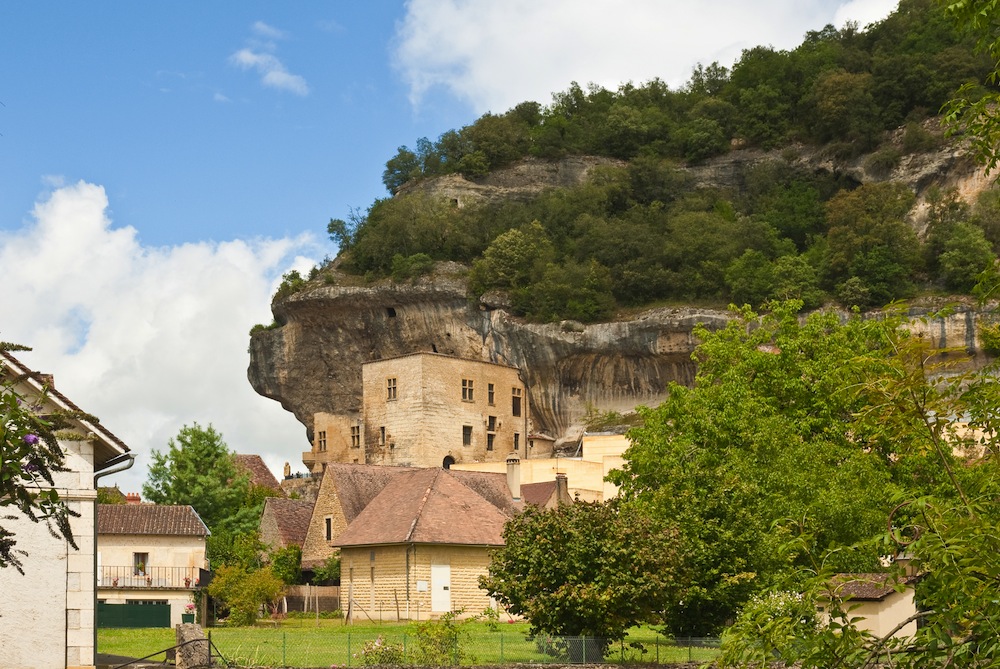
(355, 486)
(491, 486)
(291, 517)
(259, 473)
(427, 506)
(538, 493)
(866, 586)
(149, 519)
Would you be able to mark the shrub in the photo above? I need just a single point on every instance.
(378, 652)
(883, 161)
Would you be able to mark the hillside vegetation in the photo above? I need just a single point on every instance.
(641, 231)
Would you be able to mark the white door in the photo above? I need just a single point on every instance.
(440, 588)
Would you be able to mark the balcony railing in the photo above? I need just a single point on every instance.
(175, 578)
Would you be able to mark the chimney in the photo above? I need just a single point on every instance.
(514, 475)
(562, 489)
(133, 498)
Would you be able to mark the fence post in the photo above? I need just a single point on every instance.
(657, 648)
(689, 649)
(284, 646)
(623, 650)
(585, 649)
(501, 647)
(348, 649)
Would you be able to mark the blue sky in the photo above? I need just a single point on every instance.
(163, 164)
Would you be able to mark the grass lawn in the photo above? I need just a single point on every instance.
(301, 643)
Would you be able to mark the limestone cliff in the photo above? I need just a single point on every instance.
(312, 362)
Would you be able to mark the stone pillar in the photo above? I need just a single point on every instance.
(194, 652)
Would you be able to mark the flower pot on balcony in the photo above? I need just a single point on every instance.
(187, 617)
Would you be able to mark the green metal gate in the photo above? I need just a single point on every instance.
(133, 615)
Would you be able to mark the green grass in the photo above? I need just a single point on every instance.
(301, 643)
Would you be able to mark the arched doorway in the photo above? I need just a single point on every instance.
(448, 462)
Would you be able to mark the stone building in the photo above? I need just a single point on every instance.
(429, 410)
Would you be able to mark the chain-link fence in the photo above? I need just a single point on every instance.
(319, 647)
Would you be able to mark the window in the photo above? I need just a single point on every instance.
(489, 441)
(515, 408)
(466, 435)
(489, 394)
(491, 423)
(329, 528)
(147, 602)
(381, 436)
(140, 563)
(321, 440)
(517, 441)
(390, 389)
(356, 436)
(467, 390)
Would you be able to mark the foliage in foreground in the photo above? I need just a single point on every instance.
(29, 455)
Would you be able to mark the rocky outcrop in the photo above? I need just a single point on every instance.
(312, 363)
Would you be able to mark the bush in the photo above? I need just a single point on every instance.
(883, 161)
(437, 642)
(378, 652)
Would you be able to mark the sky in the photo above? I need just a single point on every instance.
(163, 164)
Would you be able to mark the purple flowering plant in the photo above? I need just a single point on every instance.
(29, 455)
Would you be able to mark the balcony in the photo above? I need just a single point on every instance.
(152, 578)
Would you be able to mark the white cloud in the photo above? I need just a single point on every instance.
(264, 30)
(260, 57)
(147, 339)
(494, 55)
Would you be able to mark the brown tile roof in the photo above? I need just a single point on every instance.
(355, 486)
(538, 494)
(866, 586)
(259, 473)
(491, 486)
(427, 506)
(291, 517)
(149, 519)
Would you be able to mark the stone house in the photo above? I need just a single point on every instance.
(49, 616)
(429, 410)
(418, 548)
(284, 522)
(260, 475)
(149, 554)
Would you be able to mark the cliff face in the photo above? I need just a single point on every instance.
(312, 362)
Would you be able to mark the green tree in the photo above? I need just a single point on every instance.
(967, 254)
(244, 592)
(198, 469)
(584, 569)
(944, 515)
(764, 446)
(286, 564)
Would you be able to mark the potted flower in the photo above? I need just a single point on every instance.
(188, 615)
(187, 581)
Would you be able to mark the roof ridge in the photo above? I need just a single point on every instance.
(421, 505)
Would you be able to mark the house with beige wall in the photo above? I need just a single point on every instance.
(150, 554)
(430, 410)
(419, 547)
(599, 453)
(875, 604)
(284, 522)
(49, 614)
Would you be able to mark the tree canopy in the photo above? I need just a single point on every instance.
(584, 569)
(198, 469)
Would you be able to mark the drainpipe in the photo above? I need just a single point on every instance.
(116, 464)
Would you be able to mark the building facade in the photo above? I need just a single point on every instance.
(429, 410)
(150, 554)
